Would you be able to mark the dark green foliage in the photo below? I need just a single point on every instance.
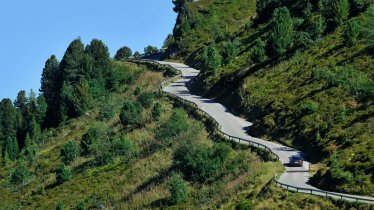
(198, 162)
(60, 206)
(304, 40)
(367, 31)
(81, 206)
(123, 53)
(179, 5)
(357, 83)
(146, 99)
(93, 136)
(174, 126)
(81, 98)
(168, 41)
(107, 110)
(137, 90)
(337, 171)
(63, 173)
(72, 62)
(318, 27)
(340, 10)
(259, 52)
(211, 59)
(149, 50)
(131, 114)
(156, 111)
(178, 189)
(351, 32)
(282, 36)
(307, 13)
(100, 54)
(124, 148)
(229, 51)
(70, 152)
(51, 82)
(12, 147)
(20, 175)
(67, 103)
(137, 55)
(308, 107)
(118, 75)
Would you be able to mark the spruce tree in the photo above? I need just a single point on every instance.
(211, 59)
(12, 147)
(66, 106)
(351, 32)
(81, 98)
(283, 33)
(69, 153)
(318, 28)
(340, 10)
(259, 52)
(72, 62)
(51, 82)
(63, 173)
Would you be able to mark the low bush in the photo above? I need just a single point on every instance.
(124, 148)
(92, 137)
(20, 175)
(63, 173)
(174, 126)
(70, 152)
(146, 99)
(178, 189)
(130, 114)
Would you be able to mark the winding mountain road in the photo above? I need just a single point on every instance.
(296, 177)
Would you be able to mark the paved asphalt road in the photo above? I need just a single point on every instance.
(236, 126)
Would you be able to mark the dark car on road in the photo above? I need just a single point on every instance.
(296, 160)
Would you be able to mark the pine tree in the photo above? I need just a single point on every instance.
(63, 173)
(318, 28)
(81, 98)
(8, 121)
(211, 59)
(34, 129)
(229, 51)
(72, 62)
(12, 147)
(69, 153)
(351, 32)
(66, 107)
(259, 52)
(20, 174)
(340, 10)
(51, 83)
(283, 33)
(41, 110)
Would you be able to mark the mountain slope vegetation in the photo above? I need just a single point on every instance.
(302, 71)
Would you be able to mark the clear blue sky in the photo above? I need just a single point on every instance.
(31, 31)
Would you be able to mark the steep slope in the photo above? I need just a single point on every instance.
(317, 95)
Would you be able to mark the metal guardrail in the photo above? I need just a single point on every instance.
(256, 144)
(322, 192)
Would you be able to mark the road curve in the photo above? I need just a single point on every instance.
(297, 177)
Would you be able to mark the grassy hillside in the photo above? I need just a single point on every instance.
(317, 95)
(159, 170)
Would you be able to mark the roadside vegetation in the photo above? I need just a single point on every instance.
(301, 71)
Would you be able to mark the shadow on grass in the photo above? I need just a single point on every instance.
(161, 177)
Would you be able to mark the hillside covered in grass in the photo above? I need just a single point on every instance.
(127, 147)
(302, 71)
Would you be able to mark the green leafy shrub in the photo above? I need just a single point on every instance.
(156, 111)
(20, 175)
(259, 52)
(146, 99)
(70, 152)
(63, 173)
(198, 162)
(125, 148)
(93, 136)
(351, 32)
(356, 82)
(308, 107)
(174, 126)
(178, 189)
(130, 114)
